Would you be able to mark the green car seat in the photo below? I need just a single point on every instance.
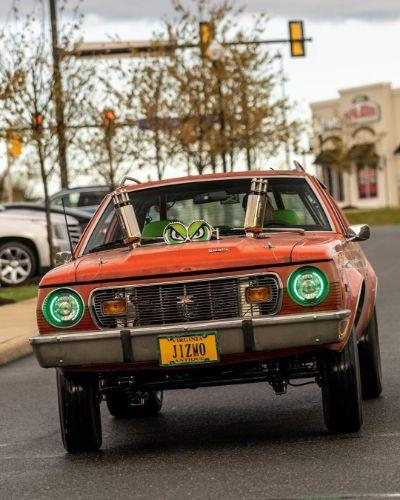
(154, 229)
(289, 217)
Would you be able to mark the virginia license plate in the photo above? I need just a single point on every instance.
(176, 350)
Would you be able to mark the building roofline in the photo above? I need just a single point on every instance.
(363, 88)
(359, 89)
(323, 104)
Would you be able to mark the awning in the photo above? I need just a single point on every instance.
(341, 159)
(363, 153)
(328, 157)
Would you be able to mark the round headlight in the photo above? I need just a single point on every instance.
(63, 308)
(308, 286)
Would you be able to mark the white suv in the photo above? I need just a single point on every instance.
(24, 250)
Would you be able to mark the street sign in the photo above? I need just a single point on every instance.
(169, 123)
(123, 49)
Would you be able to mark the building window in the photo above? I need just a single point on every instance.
(367, 180)
(333, 180)
(340, 195)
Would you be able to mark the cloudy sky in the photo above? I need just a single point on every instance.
(375, 10)
(355, 42)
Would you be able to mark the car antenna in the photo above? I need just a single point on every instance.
(71, 247)
(297, 166)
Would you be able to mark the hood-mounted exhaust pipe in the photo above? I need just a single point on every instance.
(256, 206)
(126, 218)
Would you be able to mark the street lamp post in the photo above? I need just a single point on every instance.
(58, 98)
(216, 54)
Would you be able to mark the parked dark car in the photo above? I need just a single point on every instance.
(86, 198)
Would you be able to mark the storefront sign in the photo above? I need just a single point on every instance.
(363, 111)
(330, 123)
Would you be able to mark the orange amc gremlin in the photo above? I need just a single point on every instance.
(204, 281)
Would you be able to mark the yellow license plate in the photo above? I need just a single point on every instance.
(176, 350)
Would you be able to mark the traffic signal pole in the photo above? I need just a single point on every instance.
(284, 113)
(10, 193)
(161, 48)
(58, 98)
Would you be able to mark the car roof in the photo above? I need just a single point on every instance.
(81, 188)
(220, 176)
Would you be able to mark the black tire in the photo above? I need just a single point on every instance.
(18, 263)
(123, 404)
(341, 389)
(79, 410)
(370, 360)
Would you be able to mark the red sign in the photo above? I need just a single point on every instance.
(363, 111)
(367, 183)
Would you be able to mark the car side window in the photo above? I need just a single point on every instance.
(104, 229)
(292, 201)
(153, 213)
(70, 200)
(90, 198)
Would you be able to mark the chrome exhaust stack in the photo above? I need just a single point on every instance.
(127, 218)
(256, 207)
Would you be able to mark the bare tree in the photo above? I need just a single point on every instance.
(27, 92)
(229, 107)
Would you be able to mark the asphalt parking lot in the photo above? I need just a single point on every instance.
(229, 442)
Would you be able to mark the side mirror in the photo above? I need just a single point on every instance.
(358, 232)
(63, 258)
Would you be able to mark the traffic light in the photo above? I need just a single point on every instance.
(109, 116)
(206, 37)
(37, 122)
(296, 34)
(14, 145)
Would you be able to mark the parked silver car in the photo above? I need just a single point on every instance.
(24, 249)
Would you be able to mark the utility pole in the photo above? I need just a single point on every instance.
(10, 194)
(14, 148)
(58, 98)
(221, 118)
(284, 114)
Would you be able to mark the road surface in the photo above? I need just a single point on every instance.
(229, 442)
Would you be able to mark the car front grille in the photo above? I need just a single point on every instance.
(183, 302)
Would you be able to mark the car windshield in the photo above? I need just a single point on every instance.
(291, 204)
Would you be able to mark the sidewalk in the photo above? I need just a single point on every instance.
(17, 324)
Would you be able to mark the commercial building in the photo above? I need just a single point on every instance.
(357, 145)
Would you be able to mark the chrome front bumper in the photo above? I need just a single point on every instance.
(235, 336)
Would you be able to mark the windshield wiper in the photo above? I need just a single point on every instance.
(107, 246)
(283, 230)
(299, 230)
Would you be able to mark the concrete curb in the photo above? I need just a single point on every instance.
(14, 349)
(17, 324)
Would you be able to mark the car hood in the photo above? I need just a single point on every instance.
(225, 254)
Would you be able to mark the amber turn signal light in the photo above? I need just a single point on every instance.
(114, 307)
(258, 294)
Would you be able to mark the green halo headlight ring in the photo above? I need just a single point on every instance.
(63, 308)
(308, 286)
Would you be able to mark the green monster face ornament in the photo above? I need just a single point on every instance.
(176, 232)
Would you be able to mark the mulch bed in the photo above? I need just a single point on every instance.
(4, 302)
